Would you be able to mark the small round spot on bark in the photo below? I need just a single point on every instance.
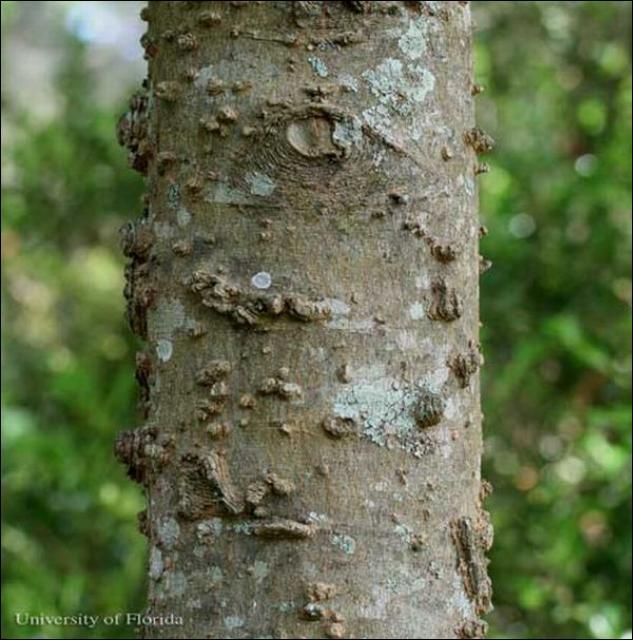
(164, 349)
(416, 311)
(262, 280)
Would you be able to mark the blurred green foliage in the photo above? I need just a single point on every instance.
(69, 536)
(556, 312)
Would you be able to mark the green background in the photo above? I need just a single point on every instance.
(556, 312)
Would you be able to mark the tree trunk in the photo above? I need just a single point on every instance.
(306, 278)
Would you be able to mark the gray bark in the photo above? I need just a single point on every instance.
(306, 278)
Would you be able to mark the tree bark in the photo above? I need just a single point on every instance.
(306, 278)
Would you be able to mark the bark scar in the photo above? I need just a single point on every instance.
(250, 309)
(206, 483)
(277, 528)
(470, 545)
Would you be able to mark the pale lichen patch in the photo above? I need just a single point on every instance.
(337, 307)
(347, 134)
(398, 88)
(404, 532)
(396, 585)
(223, 193)
(318, 66)
(209, 528)
(348, 82)
(215, 574)
(359, 325)
(422, 282)
(164, 350)
(168, 532)
(204, 75)
(413, 41)
(260, 184)
(285, 606)
(175, 584)
(233, 622)
(416, 311)
(156, 564)
(183, 217)
(380, 119)
(386, 410)
(460, 598)
(163, 230)
(259, 570)
(173, 196)
(345, 543)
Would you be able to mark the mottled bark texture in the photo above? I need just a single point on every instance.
(305, 276)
